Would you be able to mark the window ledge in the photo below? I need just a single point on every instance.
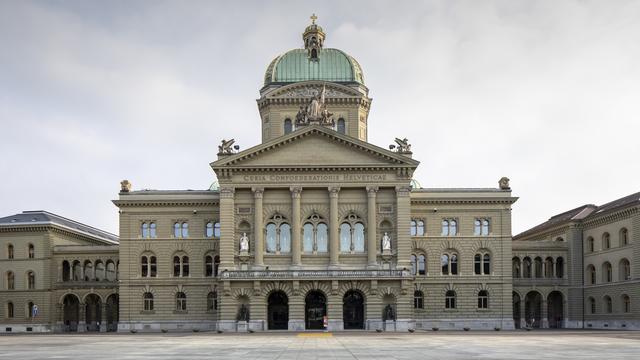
(147, 312)
(180, 311)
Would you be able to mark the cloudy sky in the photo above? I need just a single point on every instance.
(93, 92)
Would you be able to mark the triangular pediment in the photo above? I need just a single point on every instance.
(315, 147)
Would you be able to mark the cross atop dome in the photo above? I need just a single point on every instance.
(313, 19)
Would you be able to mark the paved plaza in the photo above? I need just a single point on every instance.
(357, 345)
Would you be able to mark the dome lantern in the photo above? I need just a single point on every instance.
(313, 37)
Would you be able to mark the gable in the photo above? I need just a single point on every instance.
(315, 146)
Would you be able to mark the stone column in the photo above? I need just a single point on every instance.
(334, 235)
(553, 268)
(544, 314)
(296, 260)
(258, 225)
(403, 219)
(227, 228)
(520, 271)
(372, 238)
(523, 315)
(103, 317)
(82, 309)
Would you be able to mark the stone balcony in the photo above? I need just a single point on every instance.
(315, 274)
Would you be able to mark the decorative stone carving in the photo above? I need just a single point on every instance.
(227, 148)
(315, 112)
(125, 186)
(402, 147)
(243, 313)
(504, 183)
(244, 243)
(312, 92)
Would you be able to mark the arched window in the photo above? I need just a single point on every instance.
(590, 245)
(592, 305)
(358, 237)
(626, 303)
(420, 228)
(538, 267)
(526, 268)
(185, 229)
(31, 251)
(483, 299)
(148, 266)
(482, 264)
(625, 270)
(414, 264)
(418, 300)
(548, 268)
(285, 238)
(66, 271)
(31, 280)
(208, 229)
(147, 300)
(560, 267)
(88, 271)
(608, 305)
(307, 238)
(10, 310)
(111, 271)
(607, 272)
(30, 311)
(515, 267)
(180, 266)
(181, 301)
(322, 236)
(216, 230)
(422, 265)
(176, 230)
(152, 230)
(624, 237)
(342, 129)
(212, 301)
(449, 263)
(413, 230)
(271, 238)
(345, 237)
(481, 227)
(287, 126)
(216, 265)
(450, 299)
(11, 281)
(144, 230)
(485, 227)
(153, 266)
(10, 251)
(100, 271)
(208, 266)
(449, 227)
(591, 274)
(606, 241)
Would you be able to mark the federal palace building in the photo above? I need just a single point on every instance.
(316, 228)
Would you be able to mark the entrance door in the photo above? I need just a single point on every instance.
(71, 310)
(278, 311)
(554, 310)
(353, 310)
(315, 309)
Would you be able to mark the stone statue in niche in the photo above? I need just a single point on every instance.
(244, 243)
(386, 242)
(388, 313)
(243, 313)
(315, 112)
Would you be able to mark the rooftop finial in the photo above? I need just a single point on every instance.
(313, 19)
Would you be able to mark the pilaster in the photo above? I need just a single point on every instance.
(258, 224)
(403, 220)
(372, 238)
(334, 240)
(227, 228)
(296, 260)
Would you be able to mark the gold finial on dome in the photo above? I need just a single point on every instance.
(313, 19)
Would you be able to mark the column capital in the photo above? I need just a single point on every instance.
(333, 191)
(227, 192)
(403, 190)
(295, 191)
(372, 190)
(257, 192)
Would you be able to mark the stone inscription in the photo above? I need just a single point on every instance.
(314, 178)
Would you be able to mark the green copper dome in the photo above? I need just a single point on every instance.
(330, 65)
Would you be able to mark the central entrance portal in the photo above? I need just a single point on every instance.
(353, 310)
(315, 309)
(278, 311)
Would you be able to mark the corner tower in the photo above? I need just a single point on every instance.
(314, 85)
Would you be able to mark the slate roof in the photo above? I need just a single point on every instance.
(619, 203)
(41, 217)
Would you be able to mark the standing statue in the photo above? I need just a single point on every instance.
(315, 112)
(386, 242)
(389, 314)
(243, 313)
(244, 243)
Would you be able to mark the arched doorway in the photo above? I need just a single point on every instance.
(93, 312)
(353, 310)
(533, 309)
(278, 311)
(112, 312)
(555, 309)
(516, 310)
(70, 313)
(315, 309)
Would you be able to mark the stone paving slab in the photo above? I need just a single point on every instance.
(308, 346)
